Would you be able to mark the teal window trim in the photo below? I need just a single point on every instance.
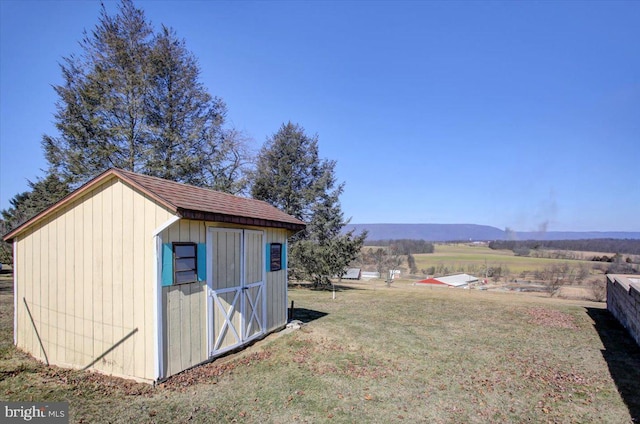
(202, 261)
(169, 263)
(267, 262)
(284, 256)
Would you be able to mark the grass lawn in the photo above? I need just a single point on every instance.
(380, 355)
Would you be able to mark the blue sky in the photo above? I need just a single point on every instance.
(512, 114)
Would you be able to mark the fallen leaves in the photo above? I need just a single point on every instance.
(551, 318)
(88, 381)
(209, 373)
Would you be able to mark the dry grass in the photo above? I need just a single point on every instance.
(377, 354)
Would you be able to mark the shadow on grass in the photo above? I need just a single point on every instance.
(623, 358)
(305, 315)
(338, 287)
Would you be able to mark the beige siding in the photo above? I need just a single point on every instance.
(184, 311)
(276, 286)
(85, 274)
(185, 327)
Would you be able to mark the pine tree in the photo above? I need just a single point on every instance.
(43, 193)
(290, 175)
(187, 139)
(133, 100)
(100, 112)
(287, 168)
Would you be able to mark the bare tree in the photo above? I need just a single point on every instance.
(598, 290)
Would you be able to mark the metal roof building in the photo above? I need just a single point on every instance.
(458, 280)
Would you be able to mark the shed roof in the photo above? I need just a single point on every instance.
(186, 201)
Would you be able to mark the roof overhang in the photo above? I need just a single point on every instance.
(240, 220)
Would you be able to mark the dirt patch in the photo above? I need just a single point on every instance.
(551, 318)
(92, 382)
(209, 373)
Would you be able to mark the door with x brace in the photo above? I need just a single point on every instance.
(237, 310)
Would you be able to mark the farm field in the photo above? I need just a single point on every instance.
(377, 354)
(463, 256)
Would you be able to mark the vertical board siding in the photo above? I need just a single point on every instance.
(184, 309)
(128, 213)
(255, 257)
(277, 286)
(68, 330)
(117, 278)
(85, 275)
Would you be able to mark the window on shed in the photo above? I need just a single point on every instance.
(185, 263)
(275, 257)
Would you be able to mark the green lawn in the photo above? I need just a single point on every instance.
(380, 355)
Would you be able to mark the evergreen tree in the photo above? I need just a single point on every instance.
(133, 100)
(287, 168)
(24, 206)
(100, 112)
(291, 176)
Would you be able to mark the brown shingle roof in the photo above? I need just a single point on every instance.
(187, 201)
(209, 205)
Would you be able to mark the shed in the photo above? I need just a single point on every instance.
(140, 277)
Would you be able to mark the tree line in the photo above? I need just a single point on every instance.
(132, 99)
(627, 246)
(404, 246)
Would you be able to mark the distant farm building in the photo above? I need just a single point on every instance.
(352, 274)
(458, 280)
(368, 275)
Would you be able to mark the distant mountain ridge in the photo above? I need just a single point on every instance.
(473, 232)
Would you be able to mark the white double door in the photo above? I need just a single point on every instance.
(236, 287)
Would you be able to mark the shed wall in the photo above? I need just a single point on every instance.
(184, 306)
(184, 309)
(85, 281)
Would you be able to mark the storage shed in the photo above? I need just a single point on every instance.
(140, 277)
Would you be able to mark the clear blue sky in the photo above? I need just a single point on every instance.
(515, 114)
